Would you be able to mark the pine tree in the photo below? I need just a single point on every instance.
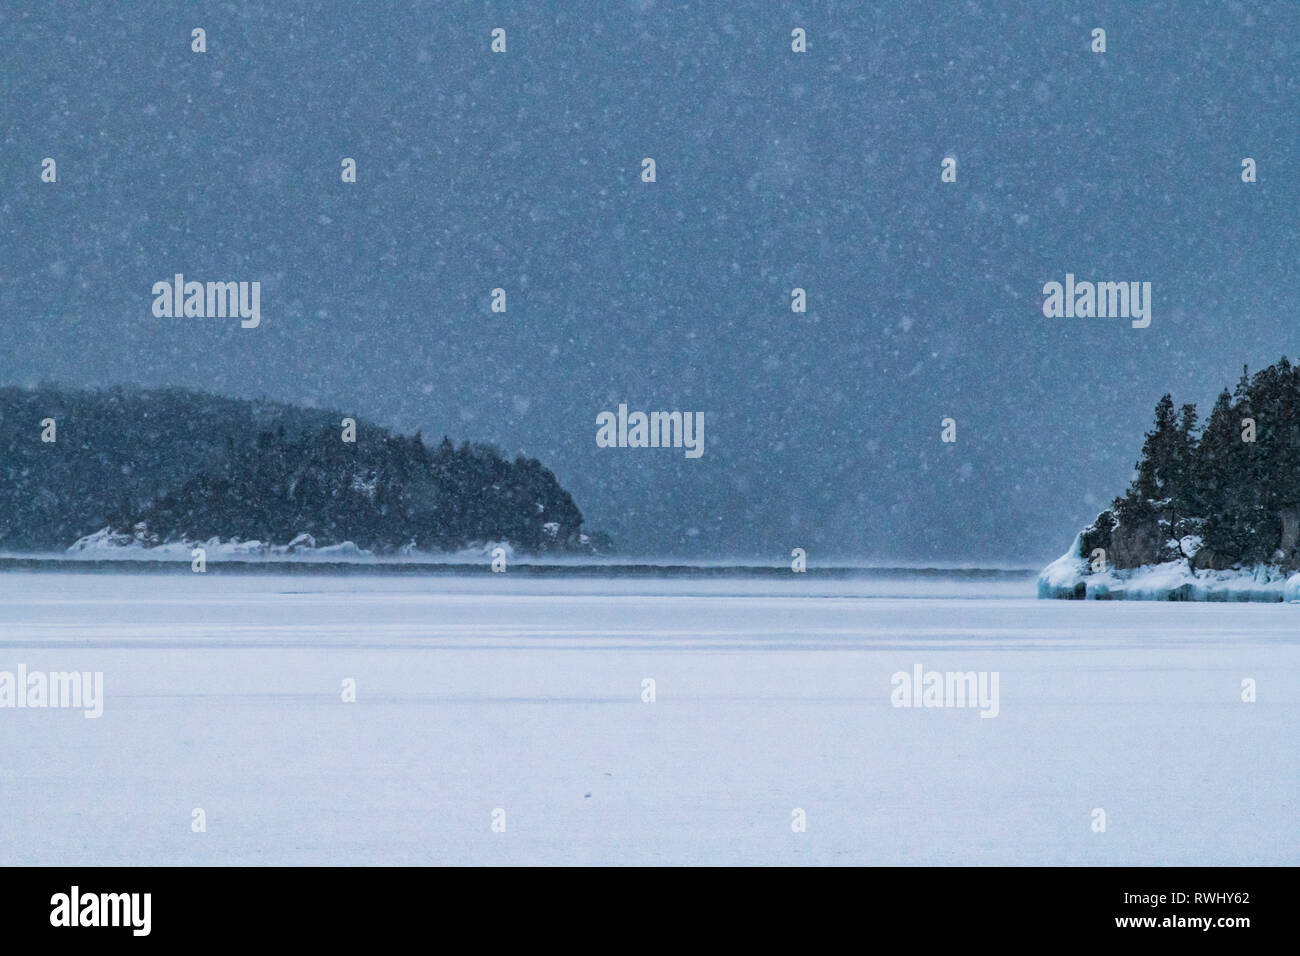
(1149, 495)
(1183, 492)
(1218, 457)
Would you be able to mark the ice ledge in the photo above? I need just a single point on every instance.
(1070, 578)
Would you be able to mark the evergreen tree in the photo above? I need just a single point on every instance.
(1183, 484)
(1151, 493)
(1219, 462)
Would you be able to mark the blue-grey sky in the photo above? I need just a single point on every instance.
(820, 170)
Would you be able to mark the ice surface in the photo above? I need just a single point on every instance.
(223, 692)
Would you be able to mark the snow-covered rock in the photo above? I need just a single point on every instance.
(1064, 577)
(1071, 577)
(345, 549)
(105, 539)
(107, 544)
(484, 550)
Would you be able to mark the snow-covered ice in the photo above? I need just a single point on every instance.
(222, 692)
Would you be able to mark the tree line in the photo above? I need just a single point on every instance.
(192, 466)
(1222, 494)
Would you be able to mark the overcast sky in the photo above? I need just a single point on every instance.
(821, 170)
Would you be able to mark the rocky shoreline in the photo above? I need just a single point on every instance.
(1070, 577)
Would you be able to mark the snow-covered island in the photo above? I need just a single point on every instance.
(129, 472)
(1213, 513)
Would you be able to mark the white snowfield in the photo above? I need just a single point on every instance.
(223, 692)
(1069, 577)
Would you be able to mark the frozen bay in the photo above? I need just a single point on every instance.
(222, 691)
